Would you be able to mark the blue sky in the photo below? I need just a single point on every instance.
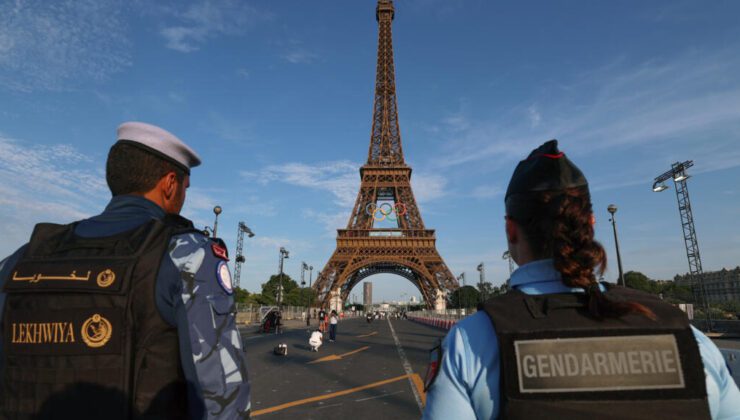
(277, 99)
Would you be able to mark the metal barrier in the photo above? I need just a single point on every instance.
(253, 314)
(443, 319)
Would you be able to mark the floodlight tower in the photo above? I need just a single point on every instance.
(239, 247)
(679, 176)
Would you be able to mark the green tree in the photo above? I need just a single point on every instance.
(301, 296)
(241, 295)
(464, 297)
(269, 289)
(673, 293)
(639, 281)
(486, 290)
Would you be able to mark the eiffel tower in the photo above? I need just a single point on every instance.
(406, 247)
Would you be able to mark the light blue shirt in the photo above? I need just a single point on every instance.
(467, 386)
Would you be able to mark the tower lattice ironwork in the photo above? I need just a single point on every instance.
(385, 232)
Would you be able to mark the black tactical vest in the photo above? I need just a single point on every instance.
(82, 334)
(559, 362)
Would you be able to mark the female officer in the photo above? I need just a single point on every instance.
(562, 345)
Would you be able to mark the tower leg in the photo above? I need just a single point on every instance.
(440, 302)
(335, 301)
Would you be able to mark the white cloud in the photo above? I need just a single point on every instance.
(56, 45)
(300, 56)
(270, 242)
(689, 103)
(487, 191)
(428, 187)
(53, 183)
(207, 19)
(534, 116)
(330, 221)
(340, 178)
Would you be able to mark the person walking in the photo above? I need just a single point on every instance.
(126, 314)
(559, 344)
(333, 321)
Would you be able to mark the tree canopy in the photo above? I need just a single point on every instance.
(465, 297)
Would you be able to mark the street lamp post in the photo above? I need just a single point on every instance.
(679, 176)
(310, 287)
(304, 267)
(507, 256)
(482, 271)
(459, 294)
(283, 255)
(239, 260)
(216, 210)
(613, 209)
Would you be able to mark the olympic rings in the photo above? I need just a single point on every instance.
(375, 215)
(398, 212)
(386, 210)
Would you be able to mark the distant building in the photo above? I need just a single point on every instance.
(721, 286)
(414, 300)
(367, 294)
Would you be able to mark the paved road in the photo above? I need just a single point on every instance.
(360, 376)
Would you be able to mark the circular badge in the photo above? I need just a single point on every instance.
(96, 331)
(224, 277)
(106, 278)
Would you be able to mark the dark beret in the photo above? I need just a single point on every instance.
(545, 169)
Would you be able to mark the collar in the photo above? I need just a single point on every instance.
(133, 204)
(540, 277)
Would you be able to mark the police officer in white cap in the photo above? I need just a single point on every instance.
(128, 313)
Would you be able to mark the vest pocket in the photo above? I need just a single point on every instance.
(222, 305)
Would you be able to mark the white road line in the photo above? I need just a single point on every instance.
(406, 367)
(379, 396)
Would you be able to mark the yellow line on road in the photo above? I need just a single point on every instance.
(328, 396)
(367, 335)
(416, 379)
(332, 357)
(354, 351)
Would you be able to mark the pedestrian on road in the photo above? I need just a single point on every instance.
(316, 340)
(333, 321)
(138, 302)
(559, 344)
(322, 320)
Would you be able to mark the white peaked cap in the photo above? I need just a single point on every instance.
(159, 142)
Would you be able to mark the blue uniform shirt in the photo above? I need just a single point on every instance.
(467, 386)
(190, 295)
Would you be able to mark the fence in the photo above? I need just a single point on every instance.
(251, 314)
(443, 319)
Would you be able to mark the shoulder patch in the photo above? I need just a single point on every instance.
(224, 277)
(220, 251)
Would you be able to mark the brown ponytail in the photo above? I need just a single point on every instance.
(557, 225)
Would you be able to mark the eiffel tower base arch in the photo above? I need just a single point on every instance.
(358, 257)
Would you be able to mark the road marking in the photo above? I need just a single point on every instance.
(367, 335)
(379, 396)
(407, 368)
(332, 357)
(327, 396)
(328, 406)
